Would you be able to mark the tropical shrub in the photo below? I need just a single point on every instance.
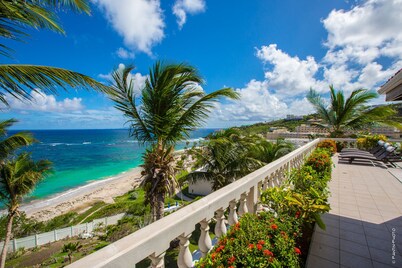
(257, 241)
(369, 141)
(320, 160)
(328, 144)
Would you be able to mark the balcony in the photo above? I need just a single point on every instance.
(358, 202)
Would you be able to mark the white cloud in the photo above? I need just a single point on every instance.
(365, 33)
(289, 76)
(124, 54)
(45, 103)
(139, 22)
(138, 78)
(183, 7)
(256, 103)
(364, 49)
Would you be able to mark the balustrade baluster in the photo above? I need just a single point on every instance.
(157, 261)
(185, 259)
(204, 243)
(243, 204)
(220, 227)
(233, 219)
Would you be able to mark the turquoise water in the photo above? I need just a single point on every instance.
(81, 156)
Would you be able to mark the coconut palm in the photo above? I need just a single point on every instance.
(18, 79)
(267, 151)
(349, 114)
(225, 157)
(169, 106)
(8, 144)
(70, 248)
(18, 177)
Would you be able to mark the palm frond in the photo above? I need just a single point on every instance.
(17, 80)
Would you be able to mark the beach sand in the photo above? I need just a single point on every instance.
(83, 197)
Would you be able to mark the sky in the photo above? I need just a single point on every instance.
(271, 52)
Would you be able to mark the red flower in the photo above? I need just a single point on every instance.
(219, 249)
(268, 253)
(213, 256)
(261, 242)
(298, 251)
(251, 246)
(231, 260)
(231, 266)
(259, 246)
(297, 214)
(274, 226)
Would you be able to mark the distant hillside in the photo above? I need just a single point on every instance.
(261, 128)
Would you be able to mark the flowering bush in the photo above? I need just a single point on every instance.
(329, 145)
(257, 241)
(279, 238)
(320, 161)
(369, 141)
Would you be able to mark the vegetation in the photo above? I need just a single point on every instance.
(172, 104)
(70, 248)
(17, 79)
(18, 177)
(279, 238)
(227, 156)
(330, 145)
(350, 114)
(369, 141)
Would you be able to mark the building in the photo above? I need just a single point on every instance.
(393, 88)
(303, 128)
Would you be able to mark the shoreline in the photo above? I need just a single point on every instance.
(83, 196)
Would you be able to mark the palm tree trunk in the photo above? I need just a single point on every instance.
(159, 205)
(7, 239)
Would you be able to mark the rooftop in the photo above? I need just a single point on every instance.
(365, 222)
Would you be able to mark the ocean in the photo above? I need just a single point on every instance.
(83, 156)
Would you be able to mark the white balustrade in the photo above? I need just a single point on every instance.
(153, 240)
(243, 204)
(220, 226)
(204, 243)
(233, 219)
(185, 259)
(157, 261)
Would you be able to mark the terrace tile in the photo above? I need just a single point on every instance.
(366, 207)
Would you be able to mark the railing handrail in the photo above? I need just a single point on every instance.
(155, 238)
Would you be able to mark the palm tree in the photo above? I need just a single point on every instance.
(70, 248)
(17, 79)
(225, 157)
(8, 144)
(267, 151)
(349, 114)
(171, 105)
(18, 177)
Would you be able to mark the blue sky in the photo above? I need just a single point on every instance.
(271, 52)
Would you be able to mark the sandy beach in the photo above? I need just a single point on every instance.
(82, 197)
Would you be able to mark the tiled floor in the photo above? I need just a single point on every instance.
(364, 226)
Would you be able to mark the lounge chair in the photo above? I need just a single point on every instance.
(376, 151)
(383, 157)
(379, 146)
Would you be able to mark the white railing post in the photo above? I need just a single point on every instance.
(243, 204)
(55, 235)
(185, 259)
(204, 243)
(15, 245)
(252, 199)
(157, 261)
(233, 219)
(36, 240)
(220, 226)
